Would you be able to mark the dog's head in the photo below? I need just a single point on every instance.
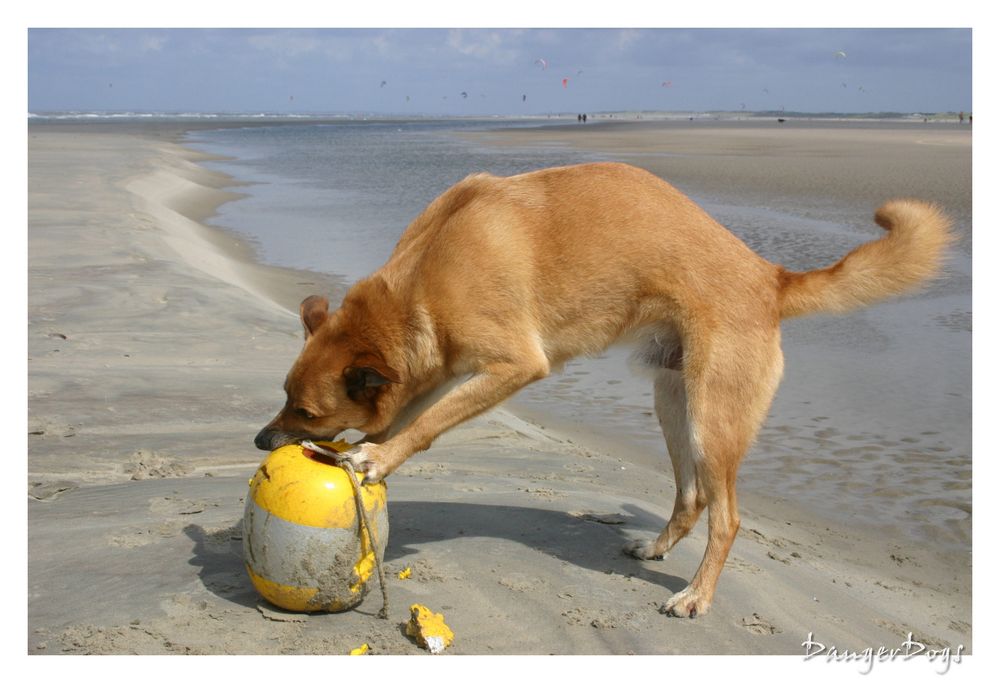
(338, 382)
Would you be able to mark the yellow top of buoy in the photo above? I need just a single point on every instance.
(307, 488)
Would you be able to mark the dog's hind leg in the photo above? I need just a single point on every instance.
(729, 390)
(670, 401)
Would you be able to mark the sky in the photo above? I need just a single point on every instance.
(498, 71)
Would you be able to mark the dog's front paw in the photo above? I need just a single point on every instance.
(366, 460)
(689, 603)
(643, 550)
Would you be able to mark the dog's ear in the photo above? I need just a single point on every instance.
(366, 374)
(314, 311)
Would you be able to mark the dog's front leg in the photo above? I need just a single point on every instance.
(485, 389)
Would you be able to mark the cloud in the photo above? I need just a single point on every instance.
(286, 44)
(489, 46)
(625, 38)
(152, 43)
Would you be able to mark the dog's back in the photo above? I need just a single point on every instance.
(573, 246)
(582, 255)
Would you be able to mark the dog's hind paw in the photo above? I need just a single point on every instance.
(643, 550)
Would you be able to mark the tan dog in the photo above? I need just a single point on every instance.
(502, 280)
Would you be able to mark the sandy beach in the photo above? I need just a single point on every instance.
(157, 347)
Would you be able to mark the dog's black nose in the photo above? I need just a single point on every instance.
(263, 439)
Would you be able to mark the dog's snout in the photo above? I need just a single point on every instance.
(271, 438)
(264, 439)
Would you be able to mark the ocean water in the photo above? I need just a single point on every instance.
(872, 422)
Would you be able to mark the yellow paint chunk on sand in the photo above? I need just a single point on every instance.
(429, 629)
(363, 650)
(406, 573)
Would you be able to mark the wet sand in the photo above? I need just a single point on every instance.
(157, 348)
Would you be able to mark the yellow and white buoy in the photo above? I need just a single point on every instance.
(305, 548)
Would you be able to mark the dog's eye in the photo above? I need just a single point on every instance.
(304, 414)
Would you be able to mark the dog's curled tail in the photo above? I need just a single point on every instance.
(911, 252)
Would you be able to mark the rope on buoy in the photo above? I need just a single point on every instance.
(343, 461)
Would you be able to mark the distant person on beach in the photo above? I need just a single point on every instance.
(585, 118)
(961, 117)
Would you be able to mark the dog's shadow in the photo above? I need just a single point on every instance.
(586, 542)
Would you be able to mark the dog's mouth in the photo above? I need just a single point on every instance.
(272, 439)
